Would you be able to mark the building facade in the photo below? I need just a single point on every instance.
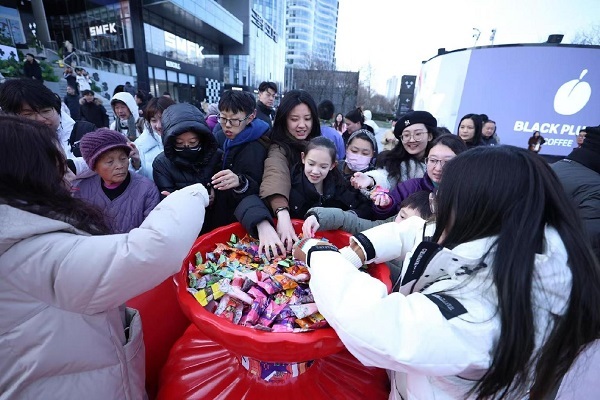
(311, 32)
(192, 49)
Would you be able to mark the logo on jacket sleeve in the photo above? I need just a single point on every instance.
(448, 305)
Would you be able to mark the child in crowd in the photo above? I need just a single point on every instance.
(244, 153)
(316, 182)
(361, 154)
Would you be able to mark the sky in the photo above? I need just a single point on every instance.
(393, 37)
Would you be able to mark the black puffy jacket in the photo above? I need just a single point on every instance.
(171, 172)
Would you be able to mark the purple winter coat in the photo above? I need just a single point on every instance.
(127, 211)
(401, 192)
(211, 121)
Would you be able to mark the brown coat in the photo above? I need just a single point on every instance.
(276, 182)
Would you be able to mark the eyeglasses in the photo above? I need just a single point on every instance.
(416, 136)
(45, 113)
(433, 162)
(233, 122)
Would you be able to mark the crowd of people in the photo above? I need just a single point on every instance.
(493, 253)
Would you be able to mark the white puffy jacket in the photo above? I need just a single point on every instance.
(436, 335)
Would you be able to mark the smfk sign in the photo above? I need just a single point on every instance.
(103, 29)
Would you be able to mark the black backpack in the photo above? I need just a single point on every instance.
(79, 129)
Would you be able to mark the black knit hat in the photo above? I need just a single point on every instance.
(592, 139)
(414, 117)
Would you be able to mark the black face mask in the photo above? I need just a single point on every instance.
(190, 154)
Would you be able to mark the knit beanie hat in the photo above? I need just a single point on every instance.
(589, 153)
(213, 109)
(414, 117)
(592, 139)
(364, 132)
(94, 144)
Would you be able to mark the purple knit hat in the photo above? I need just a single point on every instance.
(93, 144)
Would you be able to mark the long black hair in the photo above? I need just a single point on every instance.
(32, 169)
(280, 135)
(478, 123)
(515, 196)
(391, 160)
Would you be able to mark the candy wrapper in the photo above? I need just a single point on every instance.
(314, 321)
(237, 284)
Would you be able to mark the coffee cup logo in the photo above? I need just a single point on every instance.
(572, 96)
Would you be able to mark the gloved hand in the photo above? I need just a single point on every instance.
(303, 248)
(196, 189)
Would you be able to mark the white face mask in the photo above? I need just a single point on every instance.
(357, 162)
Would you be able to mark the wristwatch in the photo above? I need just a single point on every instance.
(319, 247)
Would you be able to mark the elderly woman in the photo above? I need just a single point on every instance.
(126, 199)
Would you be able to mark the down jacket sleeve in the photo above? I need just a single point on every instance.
(276, 182)
(389, 331)
(335, 218)
(91, 274)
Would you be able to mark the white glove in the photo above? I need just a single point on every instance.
(196, 189)
(388, 241)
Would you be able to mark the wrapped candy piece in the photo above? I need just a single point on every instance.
(226, 287)
(284, 321)
(304, 310)
(269, 286)
(256, 292)
(271, 312)
(270, 269)
(256, 309)
(230, 309)
(313, 321)
(284, 281)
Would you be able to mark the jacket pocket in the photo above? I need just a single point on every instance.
(135, 355)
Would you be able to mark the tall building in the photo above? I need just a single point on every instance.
(192, 49)
(392, 87)
(311, 32)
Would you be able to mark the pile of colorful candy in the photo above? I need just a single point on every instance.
(237, 284)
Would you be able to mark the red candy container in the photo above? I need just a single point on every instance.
(216, 359)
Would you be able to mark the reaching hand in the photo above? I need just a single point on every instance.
(285, 229)
(361, 181)
(381, 198)
(310, 226)
(225, 179)
(269, 242)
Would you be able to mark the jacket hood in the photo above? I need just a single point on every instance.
(181, 118)
(19, 225)
(129, 101)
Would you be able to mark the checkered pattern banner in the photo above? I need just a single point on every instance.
(213, 90)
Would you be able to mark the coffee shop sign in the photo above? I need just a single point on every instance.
(103, 29)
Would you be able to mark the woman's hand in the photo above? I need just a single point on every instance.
(381, 199)
(310, 226)
(224, 180)
(361, 180)
(285, 229)
(269, 242)
(134, 155)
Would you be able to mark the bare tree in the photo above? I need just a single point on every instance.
(590, 36)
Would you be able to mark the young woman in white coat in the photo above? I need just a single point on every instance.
(64, 332)
(497, 305)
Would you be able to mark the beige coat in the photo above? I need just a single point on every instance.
(63, 331)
